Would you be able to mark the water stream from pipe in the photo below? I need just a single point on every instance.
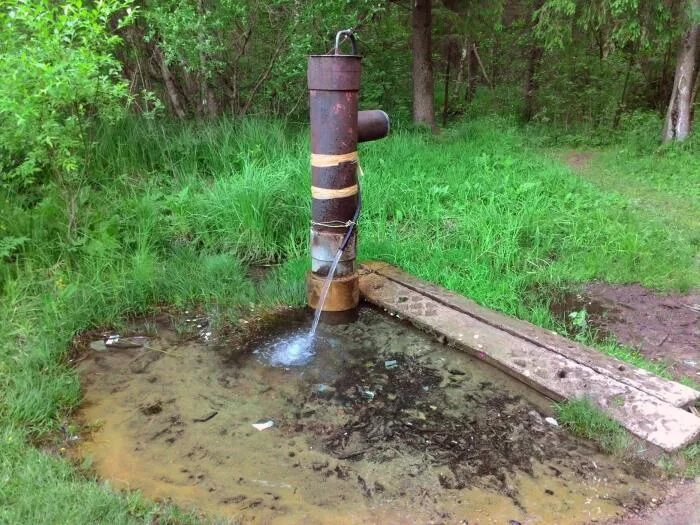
(298, 348)
(324, 293)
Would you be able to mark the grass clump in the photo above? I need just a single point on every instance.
(691, 456)
(584, 419)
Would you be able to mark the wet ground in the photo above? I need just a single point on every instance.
(380, 424)
(663, 327)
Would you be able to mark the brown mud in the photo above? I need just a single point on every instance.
(579, 160)
(383, 425)
(681, 506)
(662, 327)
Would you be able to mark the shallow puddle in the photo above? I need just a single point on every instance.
(380, 424)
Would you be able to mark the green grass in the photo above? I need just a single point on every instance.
(664, 182)
(691, 457)
(584, 419)
(662, 185)
(174, 214)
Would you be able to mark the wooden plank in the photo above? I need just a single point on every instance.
(551, 373)
(668, 391)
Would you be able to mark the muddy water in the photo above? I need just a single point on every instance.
(382, 425)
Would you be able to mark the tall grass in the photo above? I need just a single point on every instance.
(174, 214)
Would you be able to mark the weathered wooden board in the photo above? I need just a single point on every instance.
(670, 392)
(549, 372)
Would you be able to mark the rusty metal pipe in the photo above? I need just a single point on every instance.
(372, 124)
(334, 83)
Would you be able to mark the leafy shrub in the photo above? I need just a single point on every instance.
(58, 75)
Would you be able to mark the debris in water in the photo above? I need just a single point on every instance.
(367, 394)
(392, 363)
(324, 391)
(206, 418)
(551, 421)
(151, 408)
(264, 424)
(98, 346)
(116, 341)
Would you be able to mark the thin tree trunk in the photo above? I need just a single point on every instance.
(423, 99)
(481, 65)
(530, 89)
(679, 113)
(461, 71)
(209, 107)
(446, 101)
(169, 83)
(533, 63)
(621, 104)
(472, 66)
(263, 76)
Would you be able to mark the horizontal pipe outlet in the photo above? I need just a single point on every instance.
(372, 125)
(343, 294)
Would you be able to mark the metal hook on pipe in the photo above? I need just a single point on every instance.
(347, 34)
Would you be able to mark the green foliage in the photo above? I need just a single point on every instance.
(58, 75)
(617, 24)
(240, 53)
(586, 420)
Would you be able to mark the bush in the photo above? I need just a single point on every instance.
(58, 76)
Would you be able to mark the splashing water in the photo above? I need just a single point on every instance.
(296, 349)
(324, 293)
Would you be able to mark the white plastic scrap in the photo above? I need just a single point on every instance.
(551, 421)
(263, 425)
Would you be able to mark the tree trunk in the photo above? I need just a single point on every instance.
(169, 83)
(475, 51)
(530, 88)
(679, 113)
(472, 78)
(462, 63)
(533, 63)
(621, 104)
(423, 100)
(446, 101)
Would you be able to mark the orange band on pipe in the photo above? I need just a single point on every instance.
(319, 160)
(326, 193)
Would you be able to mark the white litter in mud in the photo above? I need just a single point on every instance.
(263, 425)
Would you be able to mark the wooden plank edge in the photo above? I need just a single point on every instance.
(671, 392)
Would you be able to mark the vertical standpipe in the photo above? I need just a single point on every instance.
(336, 128)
